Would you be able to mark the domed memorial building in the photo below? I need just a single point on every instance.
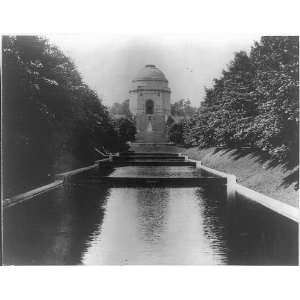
(150, 104)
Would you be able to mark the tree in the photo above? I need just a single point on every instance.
(126, 130)
(238, 106)
(49, 114)
(277, 87)
(176, 133)
(255, 103)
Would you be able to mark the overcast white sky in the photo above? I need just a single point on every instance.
(108, 63)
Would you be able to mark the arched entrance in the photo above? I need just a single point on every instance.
(149, 107)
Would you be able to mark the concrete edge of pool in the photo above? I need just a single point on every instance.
(277, 206)
(8, 202)
(233, 187)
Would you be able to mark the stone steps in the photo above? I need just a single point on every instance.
(153, 163)
(146, 158)
(154, 181)
(146, 154)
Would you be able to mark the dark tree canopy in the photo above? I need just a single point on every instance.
(255, 103)
(51, 117)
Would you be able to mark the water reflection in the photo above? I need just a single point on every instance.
(153, 226)
(117, 242)
(187, 242)
(91, 224)
(250, 233)
(54, 228)
(152, 209)
(213, 213)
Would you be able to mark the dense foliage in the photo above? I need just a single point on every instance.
(176, 132)
(51, 117)
(124, 120)
(181, 112)
(255, 103)
(126, 130)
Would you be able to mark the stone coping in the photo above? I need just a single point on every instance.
(30, 194)
(290, 212)
(59, 180)
(279, 207)
(64, 176)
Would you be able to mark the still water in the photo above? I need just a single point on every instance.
(98, 224)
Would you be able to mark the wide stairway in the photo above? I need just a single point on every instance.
(150, 159)
(148, 168)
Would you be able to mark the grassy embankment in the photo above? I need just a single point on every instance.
(252, 169)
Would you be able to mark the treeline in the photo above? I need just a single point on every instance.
(255, 103)
(124, 120)
(181, 111)
(52, 121)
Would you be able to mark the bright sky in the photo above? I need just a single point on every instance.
(108, 63)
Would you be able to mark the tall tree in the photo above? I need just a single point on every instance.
(254, 103)
(49, 113)
(277, 88)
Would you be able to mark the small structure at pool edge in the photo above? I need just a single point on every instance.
(150, 104)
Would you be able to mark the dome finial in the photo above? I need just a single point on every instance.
(150, 66)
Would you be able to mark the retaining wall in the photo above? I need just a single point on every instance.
(233, 189)
(32, 193)
(60, 179)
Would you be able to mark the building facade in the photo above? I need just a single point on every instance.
(150, 104)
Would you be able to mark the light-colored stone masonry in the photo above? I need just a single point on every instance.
(150, 87)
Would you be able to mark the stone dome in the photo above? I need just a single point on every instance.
(150, 73)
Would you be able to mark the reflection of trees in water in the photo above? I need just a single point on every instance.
(250, 233)
(214, 216)
(258, 236)
(54, 229)
(87, 208)
(152, 205)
